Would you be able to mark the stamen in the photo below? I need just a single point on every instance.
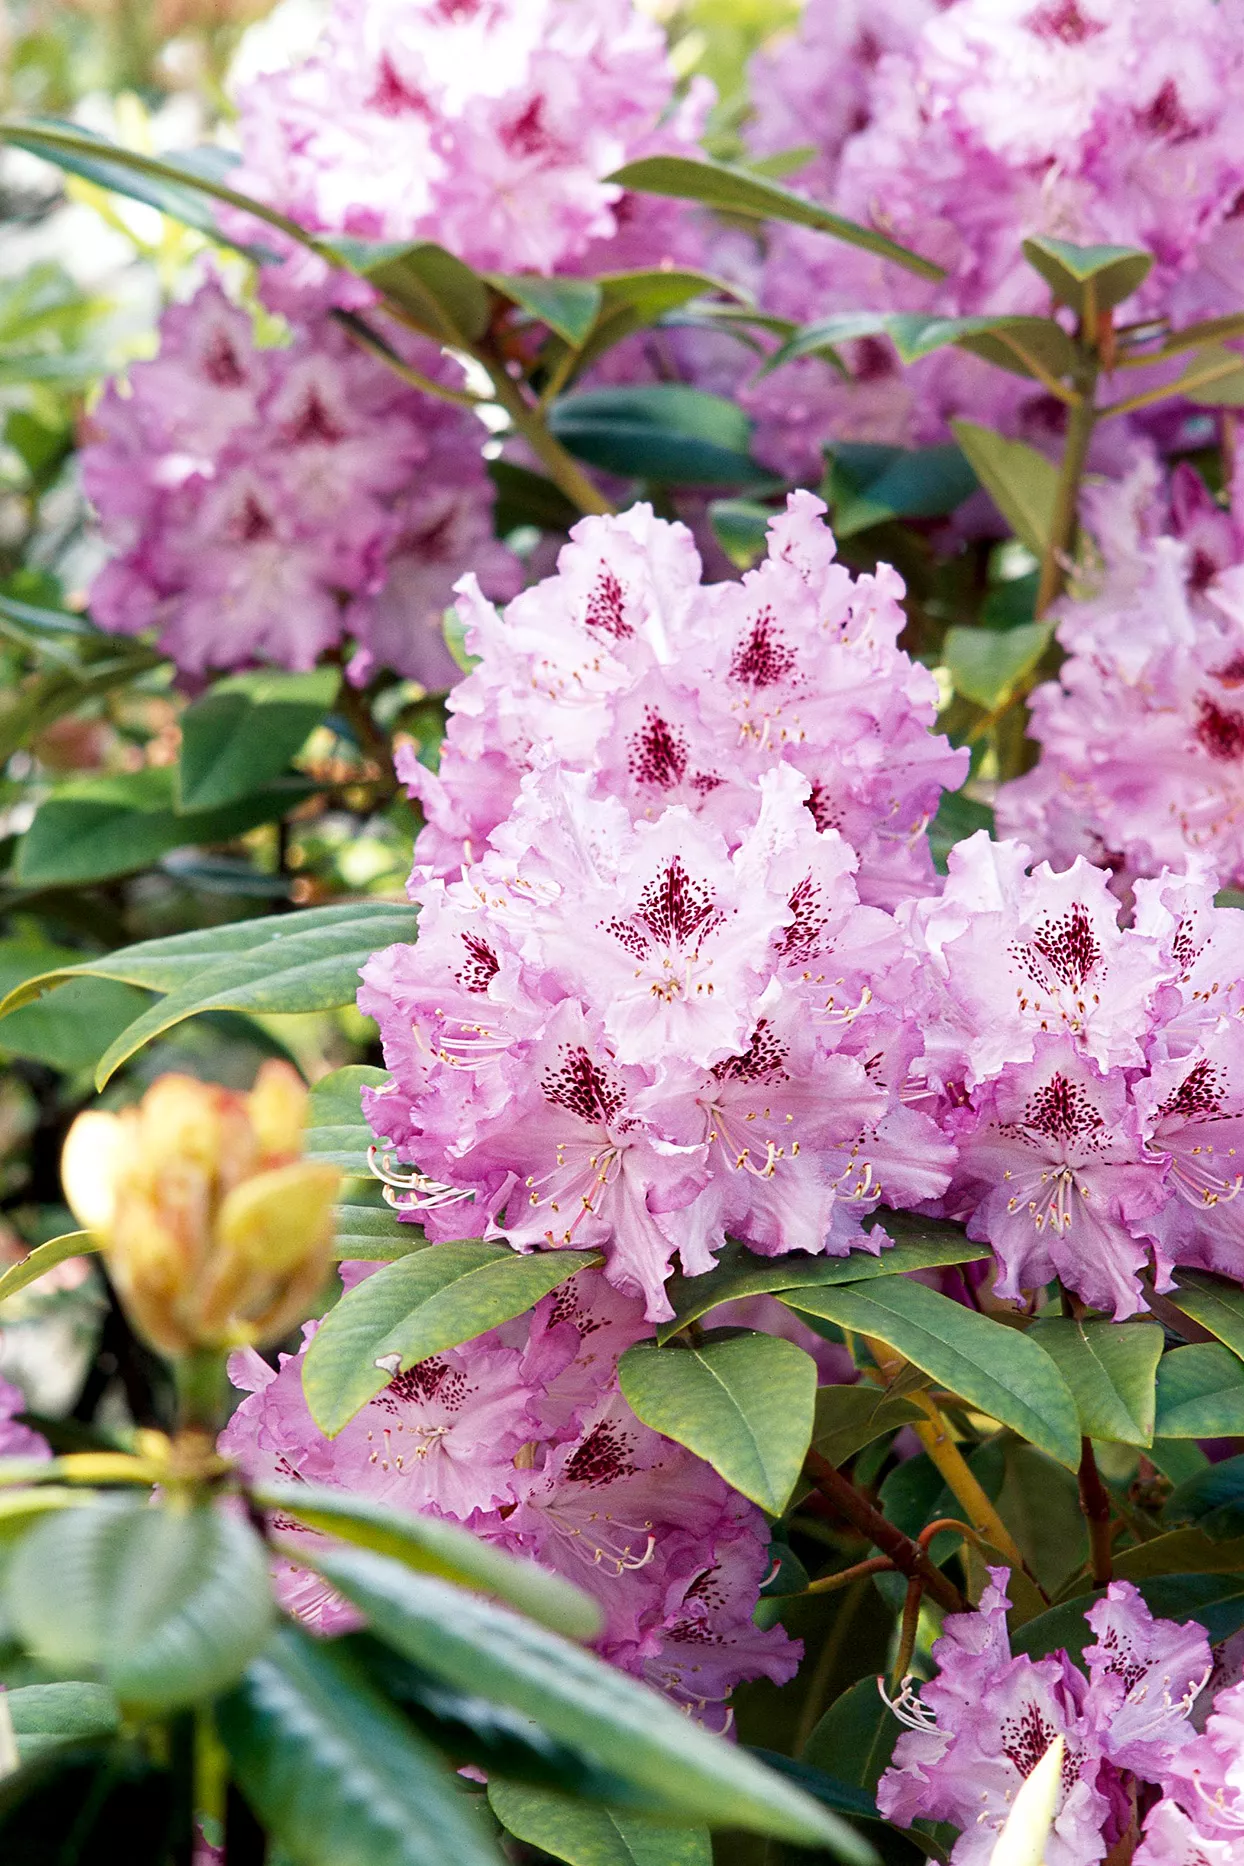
(907, 1706)
(409, 1190)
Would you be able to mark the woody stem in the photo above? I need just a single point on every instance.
(907, 1556)
(1095, 1505)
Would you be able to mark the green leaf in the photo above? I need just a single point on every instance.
(568, 306)
(741, 527)
(1009, 339)
(1110, 1368)
(848, 1418)
(336, 1130)
(1183, 1551)
(367, 1229)
(45, 1257)
(1216, 1600)
(987, 665)
(425, 1302)
(169, 1605)
(1200, 1393)
(334, 1773)
(68, 1806)
(869, 484)
(995, 1368)
(1213, 377)
(527, 498)
(593, 1836)
(958, 816)
(74, 1033)
(921, 1244)
(47, 1715)
(431, 1546)
(305, 961)
(743, 1403)
(1213, 1302)
(582, 1701)
(437, 292)
(631, 301)
(855, 1738)
(1213, 1500)
(736, 191)
(245, 731)
(1084, 277)
(663, 431)
(95, 828)
(1021, 482)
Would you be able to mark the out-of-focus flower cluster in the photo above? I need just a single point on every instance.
(654, 1011)
(972, 127)
(264, 504)
(979, 1728)
(1142, 734)
(523, 1436)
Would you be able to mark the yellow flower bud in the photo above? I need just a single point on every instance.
(216, 1233)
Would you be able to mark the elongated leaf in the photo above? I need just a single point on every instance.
(72, 1034)
(436, 291)
(986, 665)
(1213, 377)
(45, 1257)
(568, 306)
(45, 1716)
(848, 1418)
(368, 1230)
(663, 431)
(922, 1244)
(1021, 482)
(334, 1773)
(245, 731)
(631, 301)
(741, 527)
(743, 1403)
(738, 191)
(594, 1836)
(582, 1701)
(855, 1738)
(527, 498)
(1111, 1368)
(167, 1605)
(1078, 275)
(431, 1546)
(424, 1303)
(1216, 1600)
(995, 1368)
(336, 1131)
(1200, 1393)
(870, 484)
(1183, 1551)
(1212, 1499)
(915, 335)
(1213, 1302)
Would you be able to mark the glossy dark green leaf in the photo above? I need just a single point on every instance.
(41, 630)
(915, 335)
(869, 484)
(741, 527)
(632, 301)
(568, 306)
(1200, 1393)
(337, 1776)
(1111, 1368)
(243, 733)
(958, 816)
(663, 431)
(743, 1403)
(45, 1716)
(1216, 1600)
(855, 1738)
(167, 1605)
(1021, 482)
(431, 1546)
(848, 1418)
(368, 1230)
(1213, 1500)
(426, 1302)
(527, 498)
(920, 1244)
(829, 1790)
(987, 665)
(437, 292)
(337, 1132)
(580, 1700)
(594, 1836)
(738, 191)
(74, 1033)
(1215, 1303)
(94, 828)
(995, 1368)
(1080, 276)
(1181, 1551)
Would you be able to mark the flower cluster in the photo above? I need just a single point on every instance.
(1091, 1076)
(1142, 733)
(654, 1010)
(487, 126)
(978, 1729)
(266, 503)
(660, 690)
(523, 1436)
(1200, 1820)
(1087, 120)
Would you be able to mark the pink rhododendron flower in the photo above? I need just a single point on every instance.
(1142, 734)
(979, 1728)
(662, 690)
(1201, 1820)
(18, 1440)
(523, 1436)
(260, 504)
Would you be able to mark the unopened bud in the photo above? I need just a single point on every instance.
(217, 1234)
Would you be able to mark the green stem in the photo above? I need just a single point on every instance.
(562, 469)
(202, 1391)
(1081, 421)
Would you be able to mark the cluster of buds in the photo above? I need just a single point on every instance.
(217, 1234)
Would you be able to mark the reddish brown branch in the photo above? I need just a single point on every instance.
(907, 1556)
